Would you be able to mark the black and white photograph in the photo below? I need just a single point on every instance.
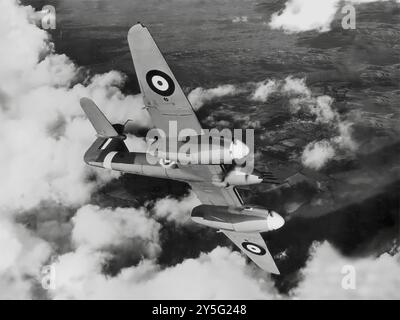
(219, 151)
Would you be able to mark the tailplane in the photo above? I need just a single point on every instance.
(109, 137)
(99, 121)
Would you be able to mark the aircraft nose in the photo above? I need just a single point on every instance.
(239, 150)
(275, 221)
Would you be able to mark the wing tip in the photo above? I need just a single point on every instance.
(271, 267)
(136, 27)
(86, 103)
(275, 271)
(84, 100)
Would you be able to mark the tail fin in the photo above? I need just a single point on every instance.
(99, 121)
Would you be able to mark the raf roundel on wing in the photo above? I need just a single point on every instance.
(253, 248)
(160, 82)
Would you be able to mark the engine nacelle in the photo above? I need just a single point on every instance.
(209, 151)
(240, 219)
(238, 178)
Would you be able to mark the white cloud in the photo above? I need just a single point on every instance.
(43, 128)
(323, 109)
(263, 90)
(43, 137)
(317, 154)
(290, 86)
(176, 210)
(320, 107)
(79, 277)
(344, 140)
(306, 15)
(21, 259)
(296, 86)
(374, 278)
(199, 96)
(126, 228)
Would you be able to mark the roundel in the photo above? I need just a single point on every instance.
(160, 82)
(253, 248)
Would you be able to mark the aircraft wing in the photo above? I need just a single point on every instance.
(162, 94)
(207, 192)
(253, 245)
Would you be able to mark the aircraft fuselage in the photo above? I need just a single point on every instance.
(148, 165)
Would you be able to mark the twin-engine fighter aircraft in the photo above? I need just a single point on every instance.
(213, 182)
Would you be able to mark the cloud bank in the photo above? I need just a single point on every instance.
(327, 276)
(80, 277)
(124, 229)
(43, 128)
(44, 135)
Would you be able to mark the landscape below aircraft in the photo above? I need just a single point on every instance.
(213, 183)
